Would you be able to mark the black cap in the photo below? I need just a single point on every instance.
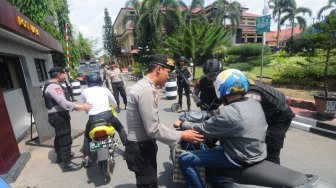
(161, 60)
(112, 62)
(56, 69)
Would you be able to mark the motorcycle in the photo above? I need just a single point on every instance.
(103, 146)
(264, 173)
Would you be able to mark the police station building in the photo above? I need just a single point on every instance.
(25, 58)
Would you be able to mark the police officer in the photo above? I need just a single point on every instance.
(278, 115)
(144, 126)
(58, 103)
(183, 76)
(205, 89)
(116, 84)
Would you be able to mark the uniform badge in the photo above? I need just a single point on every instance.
(156, 97)
(59, 90)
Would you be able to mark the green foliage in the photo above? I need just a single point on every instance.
(245, 51)
(111, 44)
(197, 41)
(138, 69)
(241, 66)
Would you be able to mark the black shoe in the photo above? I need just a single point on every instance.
(71, 166)
(118, 110)
(86, 163)
(59, 160)
(188, 108)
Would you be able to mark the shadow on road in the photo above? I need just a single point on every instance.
(125, 186)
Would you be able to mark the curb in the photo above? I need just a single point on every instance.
(314, 126)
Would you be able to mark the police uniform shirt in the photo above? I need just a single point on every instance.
(142, 115)
(56, 92)
(114, 76)
(99, 97)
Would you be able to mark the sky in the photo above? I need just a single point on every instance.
(87, 16)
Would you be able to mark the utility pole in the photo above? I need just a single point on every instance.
(67, 45)
(265, 12)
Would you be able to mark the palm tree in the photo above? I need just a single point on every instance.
(226, 11)
(292, 15)
(329, 6)
(187, 13)
(157, 16)
(278, 7)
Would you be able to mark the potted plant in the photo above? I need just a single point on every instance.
(325, 36)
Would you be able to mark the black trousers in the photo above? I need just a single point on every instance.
(109, 117)
(62, 142)
(119, 88)
(278, 125)
(141, 159)
(186, 88)
(70, 91)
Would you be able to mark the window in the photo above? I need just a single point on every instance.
(41, 69)
(6, 81)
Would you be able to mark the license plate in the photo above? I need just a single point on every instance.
(96, 145)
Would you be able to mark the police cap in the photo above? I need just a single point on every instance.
(161, 60)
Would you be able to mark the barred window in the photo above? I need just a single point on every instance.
(41, 69)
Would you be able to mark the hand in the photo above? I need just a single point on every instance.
(87, 106)
(192, 136)
(177, 124)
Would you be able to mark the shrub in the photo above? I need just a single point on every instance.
(246, 50)
(241, 66)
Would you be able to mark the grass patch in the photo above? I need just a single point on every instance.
(267, 71)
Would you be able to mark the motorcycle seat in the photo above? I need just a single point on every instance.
(269, 174)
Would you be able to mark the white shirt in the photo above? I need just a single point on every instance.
(100, 97)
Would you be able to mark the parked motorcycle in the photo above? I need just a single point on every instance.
(103, 146)
(265, 173)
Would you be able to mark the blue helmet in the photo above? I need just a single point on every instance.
(230, 81)
(93, 79)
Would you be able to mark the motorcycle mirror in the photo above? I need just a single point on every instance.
(175, 107)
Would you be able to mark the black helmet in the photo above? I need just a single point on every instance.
(93, 79)
(182, 58)
(211, 67)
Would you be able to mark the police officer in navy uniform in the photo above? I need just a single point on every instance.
(183, 76)
(278, 115)
(144, 126)
(58, 104)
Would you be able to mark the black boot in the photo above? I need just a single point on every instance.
(71, 166)
(59, 159)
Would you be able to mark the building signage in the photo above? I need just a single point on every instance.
(27, 25)
(263, 24)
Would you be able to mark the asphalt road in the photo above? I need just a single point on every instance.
(303, 151)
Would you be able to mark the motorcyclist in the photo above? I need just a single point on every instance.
(204, 92)
(278, 115)
(183, 76)
(101, 98)
(240, 126)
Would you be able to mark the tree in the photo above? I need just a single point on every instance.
(224, 11)
(292, 15)
(326, 39)
(157, 18)
(197, 41)
(108, 32)
(327, 7)
(51, 16)
(278, 7)
(187, 11)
